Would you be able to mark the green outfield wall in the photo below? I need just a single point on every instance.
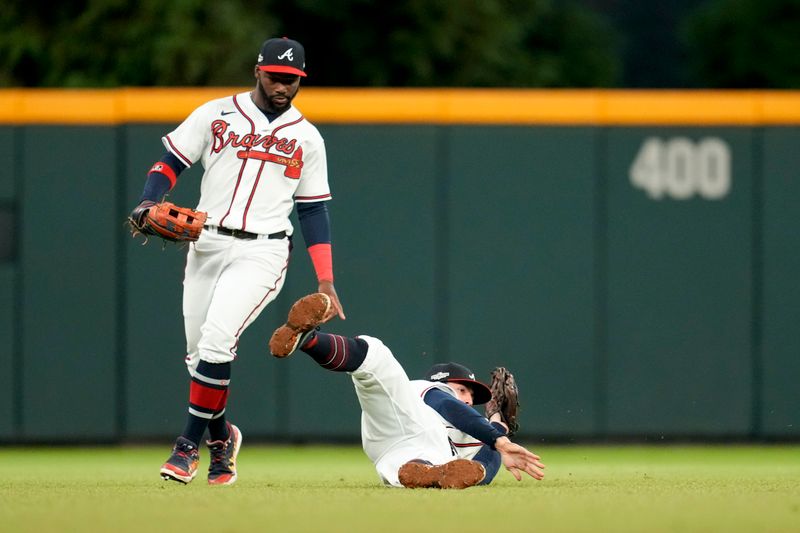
(631, 256)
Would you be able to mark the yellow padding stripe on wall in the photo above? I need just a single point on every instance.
(418, 106)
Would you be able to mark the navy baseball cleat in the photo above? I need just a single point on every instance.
(305, 315)
(222, 469)
(182, 464)
(457, 474)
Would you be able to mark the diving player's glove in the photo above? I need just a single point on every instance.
(505, 398)
(167, 220)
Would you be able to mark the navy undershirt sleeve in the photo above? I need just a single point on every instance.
(314, 222)
(491, 460)
(462, 416)
(157, 184)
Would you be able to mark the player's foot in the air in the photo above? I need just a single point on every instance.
(306, 314)
(222, 469)
(182, 464)
(457, 474)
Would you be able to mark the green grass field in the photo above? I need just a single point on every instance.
(319, 488)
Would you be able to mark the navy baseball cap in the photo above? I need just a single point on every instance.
(457, 373)
(282, 55)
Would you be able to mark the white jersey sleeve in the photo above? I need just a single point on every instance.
(313, 185)
(189, 140)
(423, 386)
(464, 445)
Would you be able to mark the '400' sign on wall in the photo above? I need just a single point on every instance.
(680, 168)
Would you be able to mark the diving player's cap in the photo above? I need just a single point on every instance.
(457, 373)
(282, 55)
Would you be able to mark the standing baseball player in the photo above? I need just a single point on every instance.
(261, 158)
(419, 434)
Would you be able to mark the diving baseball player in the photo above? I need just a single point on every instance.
(261, 158)
(411, 430)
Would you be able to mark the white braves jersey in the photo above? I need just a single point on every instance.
(254, 169)
(465, 445)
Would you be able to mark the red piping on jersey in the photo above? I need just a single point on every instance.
(253, 191)
(270, 291)
(178, 152)
(319, 197)
(244, 161)
(422, 395)
(250, 200)
(279, 128)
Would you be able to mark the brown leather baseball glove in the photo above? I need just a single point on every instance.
(168, 221)
(505, 398)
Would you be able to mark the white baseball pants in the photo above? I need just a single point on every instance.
(228, 282)
(396, 425)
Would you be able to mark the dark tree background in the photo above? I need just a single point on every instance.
(745, 43)
(437, 43)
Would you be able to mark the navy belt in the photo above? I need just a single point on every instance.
(246, 235)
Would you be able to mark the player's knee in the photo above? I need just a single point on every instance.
(214, 353)
(217, 350)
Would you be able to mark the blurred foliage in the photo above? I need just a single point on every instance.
(745, 44)
(441, 43)
(484, 43)
(107, 43)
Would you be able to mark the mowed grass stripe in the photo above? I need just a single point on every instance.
(334, 488)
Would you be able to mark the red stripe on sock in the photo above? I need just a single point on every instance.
(311, 343)
(344, 353)
(338, 354)
(206, 397)
(332, 352)
(223, 401)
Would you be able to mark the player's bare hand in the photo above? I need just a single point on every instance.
(517, 459)
(328, 288)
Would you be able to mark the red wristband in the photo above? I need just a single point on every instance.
(165, 169)
(322, 258)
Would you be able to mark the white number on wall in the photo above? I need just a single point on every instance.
(680, 168)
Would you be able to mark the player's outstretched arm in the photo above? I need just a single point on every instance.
(327, 287)
(517, 459)
(315, 225)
